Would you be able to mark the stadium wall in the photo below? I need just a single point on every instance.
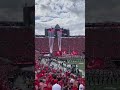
(17, 43)
(68, 44)
(103, 41)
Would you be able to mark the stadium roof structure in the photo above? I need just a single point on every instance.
(6, 23)
(103, 24)
(57, 27)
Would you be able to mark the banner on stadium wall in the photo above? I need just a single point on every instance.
(59, 35)
(51, 39)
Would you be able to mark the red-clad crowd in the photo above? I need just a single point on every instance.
(4, 74)
(47, 77)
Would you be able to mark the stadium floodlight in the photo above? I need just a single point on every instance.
(51, 39)
(59, 35)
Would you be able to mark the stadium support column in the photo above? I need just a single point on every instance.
(51, 39)
(59, 35)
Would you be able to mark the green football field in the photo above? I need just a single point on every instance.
(79, 62)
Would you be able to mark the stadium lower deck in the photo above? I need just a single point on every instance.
(57, 63)
(61, 68)
(103, 79)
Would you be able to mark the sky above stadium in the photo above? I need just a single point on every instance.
(69, 14)
(102, 11)
(72, 11)
(12, 10)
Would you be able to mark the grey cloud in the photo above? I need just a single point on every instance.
(76, 8)
(74, 0)
(7, 14)
(77, 31)
(12, 10)
(102, 10)
(15, 3)
(37, 17)
(76, 11)
(45, 7)
(66, 16)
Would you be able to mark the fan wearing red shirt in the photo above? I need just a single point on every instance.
(75, 86)
(49, 87)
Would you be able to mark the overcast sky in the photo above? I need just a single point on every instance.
(66, 13)
(102, 10)
(69, 14)
(12, 10)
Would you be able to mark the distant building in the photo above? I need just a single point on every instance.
(28, 15)
(65, 32)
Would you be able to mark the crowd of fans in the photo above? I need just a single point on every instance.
(8, 75)
(49, 78)
(4, 76)
(68, 44)
(101, 77)
(27, 78)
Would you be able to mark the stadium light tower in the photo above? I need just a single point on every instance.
(51, 39)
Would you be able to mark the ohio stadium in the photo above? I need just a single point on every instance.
(17, 52)
(102, 56)
(59, 58)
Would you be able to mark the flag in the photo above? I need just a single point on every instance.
(51, 39)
